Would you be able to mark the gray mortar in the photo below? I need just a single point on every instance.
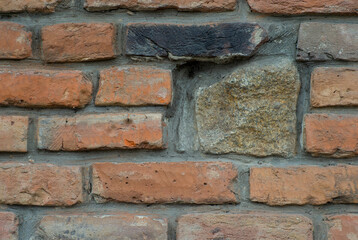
(188, 77)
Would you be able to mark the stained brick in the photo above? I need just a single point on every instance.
(342, 227)
(8, 226)
(13, 133)
(12, 6)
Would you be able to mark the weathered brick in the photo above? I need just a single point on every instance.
(109, 226)
(101, 131)
(326, 41)
(304, 185)
(134, 86)
(342, 227)
(15, 41)
(294, 7)
(181, 5)
(40, 184)
(255, 225)
(12, 6)
(13, 133)
(185, 182)
(334, 86)
(206, 42)
(331, 134)
(44, 88)
(8, 226)
(78, 42)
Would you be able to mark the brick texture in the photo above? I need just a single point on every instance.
(304, 185)
(40, 184)
(78, 42)
(109, 226)
(8, 226)
(13, 6)
(342, 227)
(101, 131)
(15, 41)
(185, 182)
(331, 135)
(13, 133)
(134, 86)
(181, 5)
(254, 225)
(44, 88)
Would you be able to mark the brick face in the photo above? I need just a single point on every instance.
(13, 133)
(253, 225)
(134, 86)
(186, 182)
(108, 226)
(15, 41)
(44, 88)
(40, 184)
(101, 131)
(304, 185)
(12, 6)
(342, 227)
(8, 226)
(78, 42)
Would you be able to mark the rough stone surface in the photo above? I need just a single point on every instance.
(207, 42)
(13, 133)
(12, 6)
(78, 42)
(44, 88)
(134, 86)
(181, 5)
(334, 86)
(255, 225)
(304, 185)
(325, 41)
(8, 226)
(252, 111)
(101, 131)
(293, 7)
(185, 182)
(15, 41)
(342, 227)
(110, 227)
(331, 135)
(40, 184)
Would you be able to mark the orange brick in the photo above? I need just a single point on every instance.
(78, 42)
(44, 88)
(185, 182)
(342, 227)
(12, 6)
(134, 86)
(40, 184)
(8, 226)
(101, 131)
(331, 134)
(13, 133)
(304, 185)
(15, 41)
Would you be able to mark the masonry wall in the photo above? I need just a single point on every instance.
(178, 119)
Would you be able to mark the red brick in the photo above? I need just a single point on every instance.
(304, 185)
(101, 131)
(134, 86)
(181, 5)
(13, 133)
(15, 41)
(342, 227)
(12, 6)
(109, 226)
(78, 42)
(331, 135)
(40, 184)
(255, 225)
(185, 182)
(293, 7)
(44, 88)
(334, 86)
(8, 226)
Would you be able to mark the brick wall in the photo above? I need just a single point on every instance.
(178, 119)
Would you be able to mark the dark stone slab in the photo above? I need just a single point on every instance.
(208, 42)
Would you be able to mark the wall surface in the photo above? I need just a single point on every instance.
(203, 119)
